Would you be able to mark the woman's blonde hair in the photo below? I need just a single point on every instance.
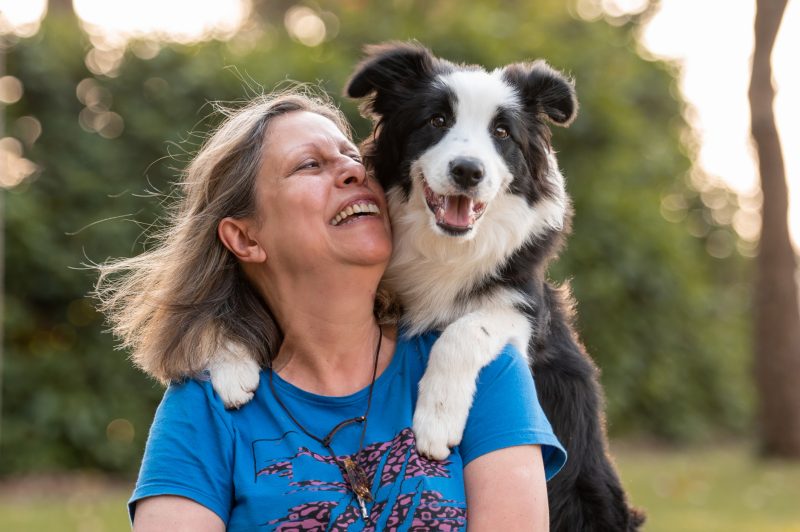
(176, 304)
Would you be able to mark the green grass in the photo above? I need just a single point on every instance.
(685, 490)
(711, 489)
(76, 503)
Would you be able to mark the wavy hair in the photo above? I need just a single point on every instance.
(176, 304)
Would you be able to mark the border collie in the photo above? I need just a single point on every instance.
(479, 209)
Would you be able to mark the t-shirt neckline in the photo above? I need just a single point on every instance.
(339, 400)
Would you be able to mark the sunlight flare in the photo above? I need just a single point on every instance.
(113, 24)
(21, 17)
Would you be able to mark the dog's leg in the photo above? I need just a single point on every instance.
(234, 374)
(447, 388)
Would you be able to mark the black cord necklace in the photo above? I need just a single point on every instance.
(353, 473)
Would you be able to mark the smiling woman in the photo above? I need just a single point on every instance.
(273, 254)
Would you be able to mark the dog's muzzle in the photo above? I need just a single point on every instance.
(455, 214)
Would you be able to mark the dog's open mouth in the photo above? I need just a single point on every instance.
(455, 214)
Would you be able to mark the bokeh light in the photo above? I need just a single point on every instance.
(113, 24)
(10, 90)
(120, 431)
(27, 129)
(305, 25)
(14, 168)
(21, 17)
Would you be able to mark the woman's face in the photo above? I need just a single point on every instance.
(308, 191)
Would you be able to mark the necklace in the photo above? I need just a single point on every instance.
(352, 472)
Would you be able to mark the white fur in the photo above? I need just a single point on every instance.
(479, 95)
(234, 375)
(448, 385)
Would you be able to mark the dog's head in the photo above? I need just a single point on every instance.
(459, 137)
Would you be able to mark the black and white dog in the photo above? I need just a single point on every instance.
(479, 209)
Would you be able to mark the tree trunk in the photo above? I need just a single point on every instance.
(60, 6)
(777, 314)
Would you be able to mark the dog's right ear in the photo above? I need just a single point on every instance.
(389, 75)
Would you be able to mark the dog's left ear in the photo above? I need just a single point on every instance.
(544, 90)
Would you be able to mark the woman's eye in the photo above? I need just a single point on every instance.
(356, 157)
(308, 164)
(501, 132)
(438, 121)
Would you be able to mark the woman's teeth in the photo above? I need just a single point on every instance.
(367, 208)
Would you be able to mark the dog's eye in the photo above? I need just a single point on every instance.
(438, 121)
(501, 132)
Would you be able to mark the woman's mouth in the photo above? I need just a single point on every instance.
(356, 210)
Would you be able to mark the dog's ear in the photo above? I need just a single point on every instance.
(544, 90)
(389, 74)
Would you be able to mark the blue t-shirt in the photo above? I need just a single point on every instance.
(256, 469)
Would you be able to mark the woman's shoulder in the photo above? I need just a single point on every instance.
(191, 388)
(193, 397)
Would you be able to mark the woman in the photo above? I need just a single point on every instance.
(278, 243)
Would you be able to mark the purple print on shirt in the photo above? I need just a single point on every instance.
(396, 473)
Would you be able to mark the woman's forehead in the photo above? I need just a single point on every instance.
(300, 128)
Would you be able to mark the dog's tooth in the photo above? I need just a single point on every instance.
(349, 211)
(356, 208)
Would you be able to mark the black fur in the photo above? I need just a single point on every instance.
(396, 84)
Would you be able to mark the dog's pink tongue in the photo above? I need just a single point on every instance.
(457, 211)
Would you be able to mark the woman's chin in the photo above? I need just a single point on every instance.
(365, 245)
(369, 253)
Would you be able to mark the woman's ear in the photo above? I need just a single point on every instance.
(235, 235)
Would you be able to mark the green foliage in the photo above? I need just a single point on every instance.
(664, 320)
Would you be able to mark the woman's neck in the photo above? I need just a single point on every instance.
(330, 333)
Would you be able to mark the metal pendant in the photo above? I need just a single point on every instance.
(357, 478)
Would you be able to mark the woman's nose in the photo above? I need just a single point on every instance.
(351, 173)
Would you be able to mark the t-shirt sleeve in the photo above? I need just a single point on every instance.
(506, 412)
(189, 451)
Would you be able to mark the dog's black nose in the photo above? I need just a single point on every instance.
(466, 171)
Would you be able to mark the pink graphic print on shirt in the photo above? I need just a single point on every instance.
(413, 508)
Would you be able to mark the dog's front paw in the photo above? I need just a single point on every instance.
(432, 438)
(440, 416)
(235, 379)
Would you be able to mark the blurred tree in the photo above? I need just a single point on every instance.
(62, 7)
(663, 318)
(777, 331)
